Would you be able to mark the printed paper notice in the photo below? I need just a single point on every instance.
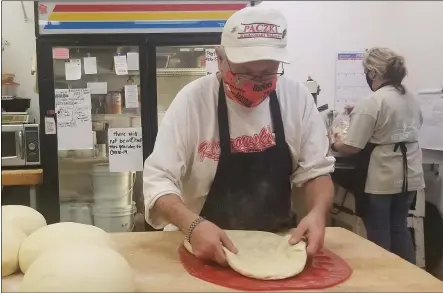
(211, 62)
(131, 96)
(74, 125)
(73, 69)
(125, 149)
(98, 88)
(50, 127)
(121, 66)
(90, 65)
(133, 60)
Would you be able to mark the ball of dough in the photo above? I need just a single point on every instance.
(12, 239)
(51, 236)
(25, 218)
(79, 268)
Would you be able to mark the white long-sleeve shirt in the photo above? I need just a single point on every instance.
(186, 151)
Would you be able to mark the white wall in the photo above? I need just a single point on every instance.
(317, 30)
(17, 57)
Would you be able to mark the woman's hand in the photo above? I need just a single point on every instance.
(207, 241)
(338, 137)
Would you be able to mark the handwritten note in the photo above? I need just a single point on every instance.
(125, 149)
(90, 65)
(133, 60)
(73, 69)
(74, 124)
(131, 96)
(120, 64)
(211, 63)
(98, 88)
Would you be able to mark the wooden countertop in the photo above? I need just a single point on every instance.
(22, 177)
(154, 257)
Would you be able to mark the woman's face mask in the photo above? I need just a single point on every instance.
(248, 93)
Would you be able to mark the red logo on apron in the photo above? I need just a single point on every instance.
(243, 144)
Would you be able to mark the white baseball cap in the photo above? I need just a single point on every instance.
(255, 33)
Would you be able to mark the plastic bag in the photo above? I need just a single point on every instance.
(339, 125)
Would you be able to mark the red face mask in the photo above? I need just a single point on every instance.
(248, 93)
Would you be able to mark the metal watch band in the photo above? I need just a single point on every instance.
(192, 227)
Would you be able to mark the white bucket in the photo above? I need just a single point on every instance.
(78, 212)
(114, 219)
(111, 188)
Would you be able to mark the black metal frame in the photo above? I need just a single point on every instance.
(49, 201)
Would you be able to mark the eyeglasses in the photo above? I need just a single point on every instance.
(264, 77)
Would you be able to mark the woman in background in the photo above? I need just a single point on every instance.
(383, 134)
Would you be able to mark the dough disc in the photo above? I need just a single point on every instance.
(263, 255)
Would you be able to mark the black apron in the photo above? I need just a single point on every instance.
(362, 160)
(251, 191)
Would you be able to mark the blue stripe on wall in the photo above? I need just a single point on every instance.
(134, 24)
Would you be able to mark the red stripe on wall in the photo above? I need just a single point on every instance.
(147, 7)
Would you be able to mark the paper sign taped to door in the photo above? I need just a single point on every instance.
(131, 96)
(50, 127)
(133, 60)
(120, 64)
(98, 88)
(125, 149)
(74, 123)
(90, 65)
(73, 69)
(211, 63)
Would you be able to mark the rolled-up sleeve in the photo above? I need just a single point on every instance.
(313, 160)
(362, 123)
(165, 167)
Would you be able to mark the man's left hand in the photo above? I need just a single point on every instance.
(312, 228)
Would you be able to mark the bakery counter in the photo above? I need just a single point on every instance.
(155, 260)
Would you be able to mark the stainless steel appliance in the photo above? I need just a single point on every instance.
(20, 145)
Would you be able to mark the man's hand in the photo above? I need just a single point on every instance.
(207, 241)
(311, 227)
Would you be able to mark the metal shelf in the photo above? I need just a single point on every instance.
(106, 117)
(181, 71)
(160, 72)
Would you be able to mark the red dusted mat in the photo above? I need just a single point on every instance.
(327, 270)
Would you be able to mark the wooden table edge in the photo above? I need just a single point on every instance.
(24, 177)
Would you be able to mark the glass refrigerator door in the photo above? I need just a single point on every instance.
(99, 135)
(176, 67)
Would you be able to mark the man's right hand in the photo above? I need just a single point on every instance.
(207, 241)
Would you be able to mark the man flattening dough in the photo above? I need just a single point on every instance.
(233, 144)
